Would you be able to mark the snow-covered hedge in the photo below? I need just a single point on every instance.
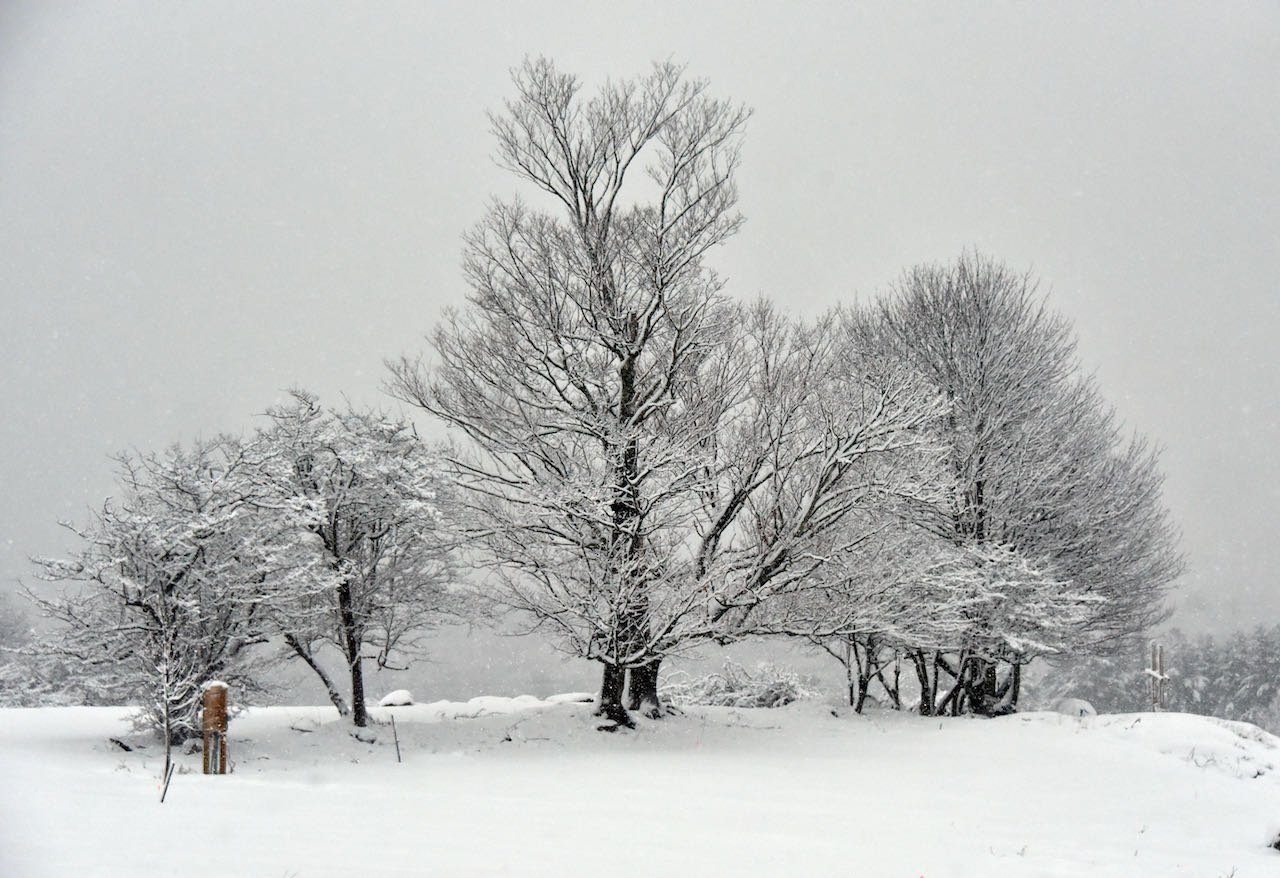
(735, 686)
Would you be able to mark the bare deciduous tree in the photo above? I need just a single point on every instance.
(1038, 465)
(649, 463)
(174, 578)
(377, 553)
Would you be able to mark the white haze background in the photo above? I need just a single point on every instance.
(204, 204)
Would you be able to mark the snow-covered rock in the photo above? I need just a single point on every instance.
(398, 698)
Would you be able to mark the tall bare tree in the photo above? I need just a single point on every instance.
(649, 463)
(1039, 466)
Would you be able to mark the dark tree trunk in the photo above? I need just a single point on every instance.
(642, 690)
(169, 742)
(610, 706)
(987, 695)
(981, 686)
(359, 711)
(862, 696)
(865, 662)
(626, 542)
(351, 645)
(305, 654)
(928, 682)
(864, 681)
(954, 700)
(894, 689)
(849, 659)
(1008, 691)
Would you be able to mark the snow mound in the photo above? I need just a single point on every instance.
(398, 698)
(572, 698)
(1075, 707)
(1237, 749)
(1104, 796)
(489, 704)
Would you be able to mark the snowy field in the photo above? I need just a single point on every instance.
(499, 786)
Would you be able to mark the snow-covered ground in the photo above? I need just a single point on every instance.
(524, 786)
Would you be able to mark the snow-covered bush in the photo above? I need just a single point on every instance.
(735, 686)
(167, 587)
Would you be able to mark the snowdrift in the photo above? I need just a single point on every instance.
(525, 786)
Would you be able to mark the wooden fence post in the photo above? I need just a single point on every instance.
(214, 727)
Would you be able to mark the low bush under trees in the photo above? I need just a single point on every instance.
(768, 685)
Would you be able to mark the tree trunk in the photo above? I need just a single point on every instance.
(351, 643)
(862, 696)
(612, 680)
(1008, 691)
(864, 662)
(954, 700)
(928, 682)
(642, 691)
(848, 672)
(168, 739)
(891, 689)
(305, 654)
(982, 686)
(976, 679)
(864, 680)
(359, 710)
(955, 697)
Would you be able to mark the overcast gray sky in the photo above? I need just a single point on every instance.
(202, 204)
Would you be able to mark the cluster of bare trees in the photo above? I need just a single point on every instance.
(649, 465)
(1051, 510)
(643, 464)
(323, 528)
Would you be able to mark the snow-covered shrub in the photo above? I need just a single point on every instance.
(735, 686)
(167, 586)
(30, 679)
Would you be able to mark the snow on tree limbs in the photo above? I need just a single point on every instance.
(650, 463)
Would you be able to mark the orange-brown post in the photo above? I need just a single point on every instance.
(214, 727)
